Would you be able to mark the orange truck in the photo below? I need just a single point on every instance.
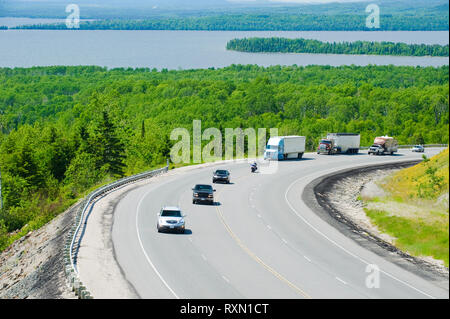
(384, 145)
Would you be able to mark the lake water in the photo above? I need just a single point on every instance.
(190, 49)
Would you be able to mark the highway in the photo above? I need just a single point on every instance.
(258, 241)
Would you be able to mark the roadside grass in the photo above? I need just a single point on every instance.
(413, 211)
(418, 237)
(427, 180)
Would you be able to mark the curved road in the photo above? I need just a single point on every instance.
(259, 240)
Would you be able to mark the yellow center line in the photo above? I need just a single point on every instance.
(255, 257)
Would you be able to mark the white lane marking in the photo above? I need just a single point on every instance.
(339, 279)
(226, 279)
(204, 257)
(284, 240)
(339, 246)
(307, 258)
(145, 253)
(259, 216)
(268, 226)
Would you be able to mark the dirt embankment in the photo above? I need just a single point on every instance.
(33, 267)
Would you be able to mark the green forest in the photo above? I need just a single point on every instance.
(66, 130)
(426, 15)
(301, 45)
(266, 22)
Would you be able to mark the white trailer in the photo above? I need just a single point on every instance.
(337, 143)
(285, 147)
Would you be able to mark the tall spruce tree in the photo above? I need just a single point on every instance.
(109, 149)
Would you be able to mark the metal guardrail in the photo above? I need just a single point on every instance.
(410, 146)
(73, 241)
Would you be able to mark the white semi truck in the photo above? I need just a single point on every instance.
(338, 143)
(285, 147)
(383, 145)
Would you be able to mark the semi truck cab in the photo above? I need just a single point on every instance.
(338, 143)
(325, 146)
(285, 147)
(274, 149)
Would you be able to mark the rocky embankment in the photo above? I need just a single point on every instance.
(33, 267)
(344, 196)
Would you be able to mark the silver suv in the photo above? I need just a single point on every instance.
(418, 148)
(171, 219)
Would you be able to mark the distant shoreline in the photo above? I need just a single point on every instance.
(301, 45)
(254, 22)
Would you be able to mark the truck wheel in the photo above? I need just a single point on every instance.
(300, 155)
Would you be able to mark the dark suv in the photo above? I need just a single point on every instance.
(203, 193)
(221, 175)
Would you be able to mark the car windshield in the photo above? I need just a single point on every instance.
(170, 213)
(375, 145)
(417, 146)
(221, 172)
(325, 142)
(203, 187)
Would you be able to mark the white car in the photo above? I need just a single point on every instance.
(171, 219)
(418, 148)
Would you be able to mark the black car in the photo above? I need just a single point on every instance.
(203, 193)
(221, 175)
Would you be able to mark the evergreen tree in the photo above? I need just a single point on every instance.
(108, 147)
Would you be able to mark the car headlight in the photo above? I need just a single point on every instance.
(195, 195)
(210, 196)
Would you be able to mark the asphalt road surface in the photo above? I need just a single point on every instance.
(259, 240)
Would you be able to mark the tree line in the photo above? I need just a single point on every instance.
(265, 22)
(302, 45)
(66, 130)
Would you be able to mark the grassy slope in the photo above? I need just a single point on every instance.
(406, 183)
(415, 211)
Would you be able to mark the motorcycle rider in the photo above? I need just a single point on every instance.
(254, 167)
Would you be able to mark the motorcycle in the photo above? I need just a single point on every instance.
(254, 168)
